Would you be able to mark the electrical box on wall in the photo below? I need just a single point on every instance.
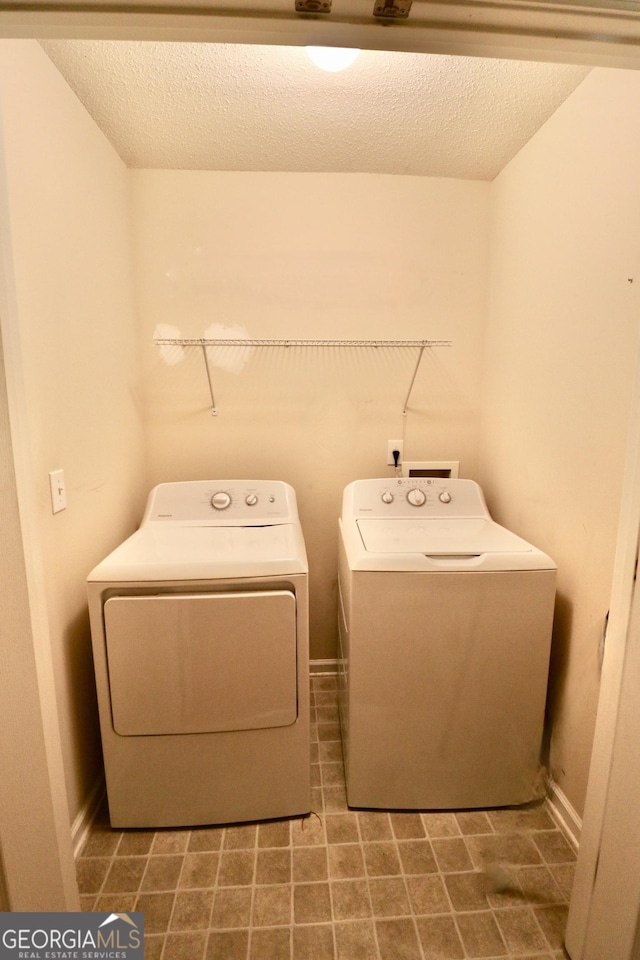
(430, 468)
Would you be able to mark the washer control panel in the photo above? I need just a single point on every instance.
(222, 503)
(414, 496)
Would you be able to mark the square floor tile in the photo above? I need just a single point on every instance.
(520, 930)
(274, 865)
(553, 921)
(427, 894)
(185, 946)
(157, 908)
(270, 944)
(313, 942)
(162, 873)
(199, 870)
(274, 833)
(375, 826)
(382, 859)
(311, 902)
(480, 935)
(228, 945)
(231, 908)
(439, 938)
(345, 860)
(192, 910)
(271, 906)
(356, 940)
(397, 940)
(351, 900)
(407, 826)
(125, 875)
(389, 897)
(136, 843)
(309, 864)
(452, 855)
(417, 856)
(467, 891)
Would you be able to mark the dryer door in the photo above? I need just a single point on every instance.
(201, 663)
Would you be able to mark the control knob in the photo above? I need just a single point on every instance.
(251, 499)
(220, 500)
(387, 497)
(445, 496)
(416, 497)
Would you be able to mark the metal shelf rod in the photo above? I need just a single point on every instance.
(413, 380)
(214, 410)
(223, 342)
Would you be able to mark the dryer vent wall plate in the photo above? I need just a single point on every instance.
(430, 468)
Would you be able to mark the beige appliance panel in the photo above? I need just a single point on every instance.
(443, 683)
(178, 664)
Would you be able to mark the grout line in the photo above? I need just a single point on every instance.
(368, 882)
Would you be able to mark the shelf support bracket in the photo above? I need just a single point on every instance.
(214, 411)
(413, 380)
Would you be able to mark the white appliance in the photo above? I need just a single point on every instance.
(445, 633)
(199, 624)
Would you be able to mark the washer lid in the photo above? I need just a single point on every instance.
(172, 552)
(439, 538)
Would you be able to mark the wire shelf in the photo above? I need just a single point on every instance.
(246, 342)
(203, 343)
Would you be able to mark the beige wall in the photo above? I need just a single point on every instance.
(311, 256)
(560, 352)
(69, 207)
(37, 871)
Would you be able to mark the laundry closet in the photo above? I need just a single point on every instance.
(533, 277)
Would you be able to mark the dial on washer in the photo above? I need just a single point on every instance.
(220, 500)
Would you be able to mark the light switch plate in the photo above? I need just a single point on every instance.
(58, 491)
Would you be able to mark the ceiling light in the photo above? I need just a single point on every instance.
(332, 59)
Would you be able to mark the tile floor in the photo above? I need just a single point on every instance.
(340, 884)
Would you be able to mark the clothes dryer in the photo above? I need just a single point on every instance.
(445, 632)
(199, 625)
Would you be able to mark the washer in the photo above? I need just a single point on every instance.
(445, 634)
(199, 625)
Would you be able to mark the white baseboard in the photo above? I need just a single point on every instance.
(323, 666)
(564, 814)
(82, 824)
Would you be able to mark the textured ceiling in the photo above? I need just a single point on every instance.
(246, 107)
